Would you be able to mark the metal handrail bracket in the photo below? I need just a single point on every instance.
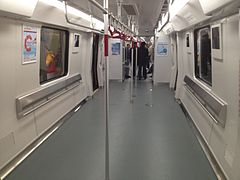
(215, 107)
(36, 99)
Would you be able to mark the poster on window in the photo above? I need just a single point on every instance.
(115, 48)
(29, 50)
(162, 49)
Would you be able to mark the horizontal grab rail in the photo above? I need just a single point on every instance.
(32, 101)
(214, 106)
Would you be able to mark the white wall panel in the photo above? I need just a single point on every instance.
(174, 61)
(77, 62)
(80, 93)
(27, 75)
(7, 76)
(75, 58)
(100, 62)
(180, 64)
(115, 61)
(7, 148)
(53, 111)
(236, 163)
(226, 80)
(25, 132)
(201, 119)
(87, 55)
(162, 64)
(17, 79)
(224, 142)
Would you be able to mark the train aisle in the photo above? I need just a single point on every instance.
(149, 140)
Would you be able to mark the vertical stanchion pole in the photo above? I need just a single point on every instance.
(136, 61)
(131, 88)
(106, 64)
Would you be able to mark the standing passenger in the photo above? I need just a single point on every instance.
(134, 49)
(127, 61)
(142, 61)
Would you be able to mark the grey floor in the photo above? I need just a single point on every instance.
(149, 140)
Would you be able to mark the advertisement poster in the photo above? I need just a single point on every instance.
(162, 49)
(115, 48)
(29, 51)
(76, 43)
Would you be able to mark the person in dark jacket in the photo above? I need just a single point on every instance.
(134, 48)
(127, 61)
(142, 61)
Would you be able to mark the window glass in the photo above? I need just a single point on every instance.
(215, 38)
(203, 65)
(54, 54)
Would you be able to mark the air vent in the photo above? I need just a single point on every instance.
(131, 9)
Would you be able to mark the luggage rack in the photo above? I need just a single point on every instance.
(215, 107)
(30, 102)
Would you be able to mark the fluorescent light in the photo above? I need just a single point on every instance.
(176, 7)
(98, 24)
(55, 3)
(78, 13)
(71, 10)
(23, 7)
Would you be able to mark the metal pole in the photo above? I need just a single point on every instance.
(136, 61)
(131, 88)
(106, 89)
(104, 10)
(119, 10)
(99, 6)
(129, 21)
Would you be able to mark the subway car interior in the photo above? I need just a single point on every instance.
(119, 90)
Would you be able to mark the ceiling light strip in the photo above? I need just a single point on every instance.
(68, 20)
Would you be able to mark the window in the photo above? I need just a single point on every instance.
(202, 46)
(217, 41)
(215, 38)
(54, 54)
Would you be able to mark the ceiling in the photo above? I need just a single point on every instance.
(148, 12)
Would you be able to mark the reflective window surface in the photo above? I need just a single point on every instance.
(54, 54)
(203, 65)
(215, 38)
